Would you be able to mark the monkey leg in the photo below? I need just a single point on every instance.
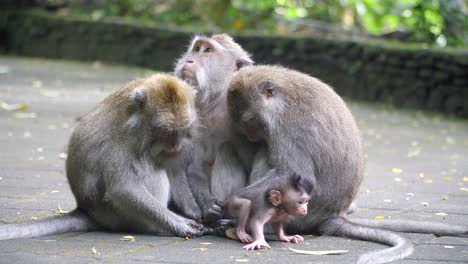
(136, 200)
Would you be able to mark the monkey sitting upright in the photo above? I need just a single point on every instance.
(273, 198)
(118, 157)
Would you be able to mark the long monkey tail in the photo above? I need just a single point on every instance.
(74, 221)
(411, 226)
(400, 247)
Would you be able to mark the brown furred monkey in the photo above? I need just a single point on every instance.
(208, 66)
(273, 199)
(309, 130)
(117, 160)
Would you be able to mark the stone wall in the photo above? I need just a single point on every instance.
(403, 75)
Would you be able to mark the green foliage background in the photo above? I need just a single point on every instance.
(432, 22)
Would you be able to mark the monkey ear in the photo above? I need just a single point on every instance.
(138, 96)
(267, 88)
(275, 197)
(241, 63)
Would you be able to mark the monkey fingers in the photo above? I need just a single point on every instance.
(292, 239)
(194, 229)
(244, 237)
(212, 213)
(257, 244)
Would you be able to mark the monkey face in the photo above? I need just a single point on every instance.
(296, 202)
(209, 64)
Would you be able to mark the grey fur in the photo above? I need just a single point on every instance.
(117, 167)
(217, 170)
(309, 130)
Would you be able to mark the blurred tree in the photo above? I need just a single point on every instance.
(434, 22)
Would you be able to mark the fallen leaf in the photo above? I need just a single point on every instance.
(397, 179)
(241, 260)
(465, 179)
(445, 198)
(37, 84)
(60, 211)
(450, 140)
(94, 250)
(27, 134)
(62, 156)
(25, 115)
(447, 178)
(464, 189)
(54, 191)
(379, 217)
(449, 247)
(428, 181)
(187, 238)
(48, 93)
(201, 249)
(440, 214)
(206, 243)
(14, 107)
(40, 149)
(4, 69)
(318, 253)
(387, 200)
(397, 170)
(425, 203)
(127, 238)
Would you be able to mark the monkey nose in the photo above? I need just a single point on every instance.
(189, 61)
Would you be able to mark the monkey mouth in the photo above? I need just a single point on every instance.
(188, 75)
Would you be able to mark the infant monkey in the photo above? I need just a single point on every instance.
(269, 199)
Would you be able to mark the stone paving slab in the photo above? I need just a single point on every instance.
(417, 166)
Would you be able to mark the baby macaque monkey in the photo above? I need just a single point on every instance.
(269, 199)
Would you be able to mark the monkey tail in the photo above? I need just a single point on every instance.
(74, 221)
(410, 226)
(400, 247)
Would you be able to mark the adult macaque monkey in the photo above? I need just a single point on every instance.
(208, 66)
(117, 160)
(309, 130)
(272, 199)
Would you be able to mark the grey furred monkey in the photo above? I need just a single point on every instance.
(308, 130)
(219, 168)
(119, 158)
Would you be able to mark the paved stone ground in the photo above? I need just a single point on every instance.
(417, 169)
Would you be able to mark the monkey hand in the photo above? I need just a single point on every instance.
(291, 239)
(190, 228)
(243, 236)
(212, 212)
(257, 244)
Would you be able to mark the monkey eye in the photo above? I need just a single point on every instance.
(208, 50)
(196, 48)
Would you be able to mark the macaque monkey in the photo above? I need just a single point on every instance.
(118, 156)
(308, 129)
(218, 169)
(272, 199)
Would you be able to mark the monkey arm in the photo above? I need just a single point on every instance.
(199, 184)
(279, 230)
(182, 197)
(135, 200)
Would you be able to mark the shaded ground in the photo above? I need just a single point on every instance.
(417, 169)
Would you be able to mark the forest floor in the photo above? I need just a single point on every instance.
(417, 168)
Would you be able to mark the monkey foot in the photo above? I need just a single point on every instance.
(257, 244)
(292, 239)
